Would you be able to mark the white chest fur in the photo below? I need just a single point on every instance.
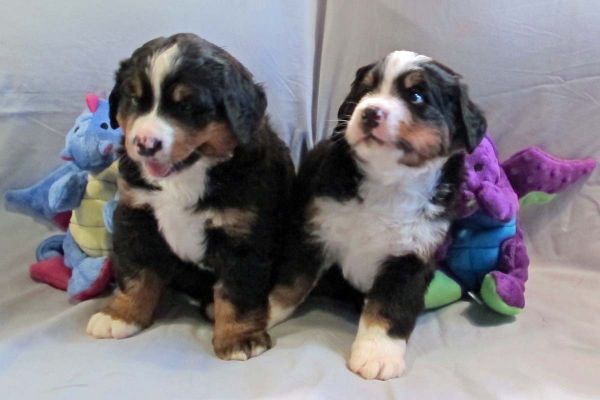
(174, 208)
(391, 220)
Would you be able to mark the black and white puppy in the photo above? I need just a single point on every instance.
(375, 200)
(204, 185)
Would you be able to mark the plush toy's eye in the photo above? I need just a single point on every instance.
(76, 129)
(104, 125)
(416, 98)
(478, 167)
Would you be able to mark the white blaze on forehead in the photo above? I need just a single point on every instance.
(398, 62)
(160, 65)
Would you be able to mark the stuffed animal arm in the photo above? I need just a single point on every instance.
(66, 193)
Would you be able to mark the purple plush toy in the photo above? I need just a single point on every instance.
(486, 252)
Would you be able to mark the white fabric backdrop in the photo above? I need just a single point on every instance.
(532, 65)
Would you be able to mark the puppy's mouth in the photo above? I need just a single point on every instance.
(368, 137)
(400, 144)
(161, 169)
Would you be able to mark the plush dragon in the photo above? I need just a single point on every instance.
(85, 187)
(485, 252)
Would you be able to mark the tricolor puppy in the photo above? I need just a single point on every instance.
(375, 200)
(204, 185)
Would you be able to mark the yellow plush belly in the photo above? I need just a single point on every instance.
(87, 224)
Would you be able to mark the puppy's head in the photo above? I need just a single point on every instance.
(406, 110)
(181, 98)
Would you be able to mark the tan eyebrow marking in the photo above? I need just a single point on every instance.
(413, 78)
(180, 92)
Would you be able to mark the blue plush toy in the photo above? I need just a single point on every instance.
(86, 185)
(35, 199)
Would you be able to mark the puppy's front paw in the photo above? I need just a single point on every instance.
(244, 348)
(378, 357)
(102, 326)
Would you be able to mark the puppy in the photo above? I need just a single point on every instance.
(204, 184)
(375, 200)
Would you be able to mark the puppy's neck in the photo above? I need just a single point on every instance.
(186, 186)
(424, 175)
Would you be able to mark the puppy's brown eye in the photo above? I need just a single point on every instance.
(131, 93)
(186, 107)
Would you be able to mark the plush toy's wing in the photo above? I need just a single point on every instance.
(34, 199)
(532, 169)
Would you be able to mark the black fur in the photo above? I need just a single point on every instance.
(130, 172)
(328, 170)
(358, 89)
(258, 177)
(441, 88)
(398, 290)
(447, 189)
(465, 119)
(223, 89)
(331, 170)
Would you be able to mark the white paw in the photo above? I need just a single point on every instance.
(375, 355)
(102, 326)
(241, 355)
(244, 349)
(238, 356)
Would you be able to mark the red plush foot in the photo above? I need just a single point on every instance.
(51, 271)
(99, 285)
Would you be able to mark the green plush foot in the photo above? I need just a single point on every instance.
(536, 198)
(442, 290)
(490, 296)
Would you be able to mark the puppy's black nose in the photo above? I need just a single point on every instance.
(148, 147)
(371, 117)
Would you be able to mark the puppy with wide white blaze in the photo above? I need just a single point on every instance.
(375, 201)
(204, 185)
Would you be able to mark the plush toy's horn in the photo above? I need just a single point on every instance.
(532, 169)
(92, 101)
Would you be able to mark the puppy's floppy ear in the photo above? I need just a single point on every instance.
(115, 95)
(358, 89)
(245, 102)
(470, 121)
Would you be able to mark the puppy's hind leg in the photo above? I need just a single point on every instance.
(294, 280)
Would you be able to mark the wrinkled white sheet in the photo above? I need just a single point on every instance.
(533, 66)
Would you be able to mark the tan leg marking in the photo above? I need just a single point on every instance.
(238, 337)
(130, 310)
(283, 300)
(234, 221)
